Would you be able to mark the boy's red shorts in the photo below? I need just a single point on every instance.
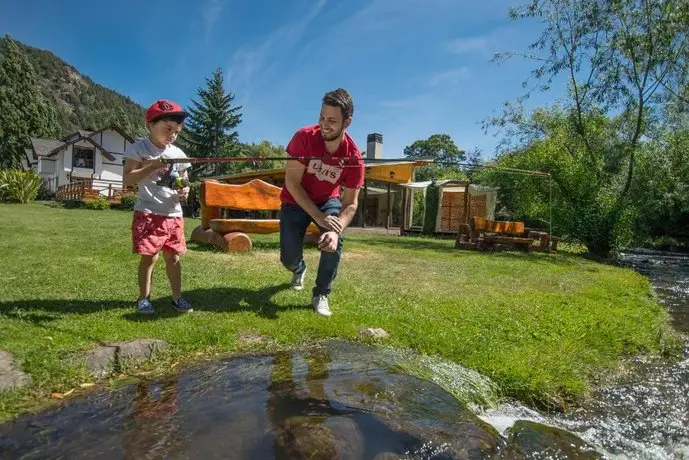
(152, 233)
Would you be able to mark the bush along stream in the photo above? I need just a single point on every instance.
(346, 400)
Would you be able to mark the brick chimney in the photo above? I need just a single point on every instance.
(374, 146)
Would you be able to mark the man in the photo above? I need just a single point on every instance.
(327, 160)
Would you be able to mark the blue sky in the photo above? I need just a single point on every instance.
(414, 67)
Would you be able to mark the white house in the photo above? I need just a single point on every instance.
(92, 156)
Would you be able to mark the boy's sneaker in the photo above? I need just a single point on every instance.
(182, 305)
(320, 304)
(298, 280)
(144, 307)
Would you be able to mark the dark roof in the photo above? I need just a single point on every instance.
(115, 128)
(49, 147)
(87, 139)
(78, 133)
(44, 146)
(107, 154)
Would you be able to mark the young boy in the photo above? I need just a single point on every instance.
(158, 224)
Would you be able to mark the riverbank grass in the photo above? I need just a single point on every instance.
(542, 327)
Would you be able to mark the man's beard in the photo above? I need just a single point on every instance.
(331, 137)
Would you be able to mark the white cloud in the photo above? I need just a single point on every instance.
(467, 45)
(249, 63)
(210, 13)
(379, 15)
(449, 77)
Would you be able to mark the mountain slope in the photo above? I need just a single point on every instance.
(80, 102)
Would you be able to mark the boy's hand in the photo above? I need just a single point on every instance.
(154, 164)
(328, 242)
(183, 194)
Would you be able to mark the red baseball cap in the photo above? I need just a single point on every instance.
(163, 107)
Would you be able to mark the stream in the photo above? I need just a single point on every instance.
(344, 400)
(646, 415)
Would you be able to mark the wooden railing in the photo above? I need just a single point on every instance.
(86, 190)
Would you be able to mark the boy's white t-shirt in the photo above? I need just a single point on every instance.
(154, 198)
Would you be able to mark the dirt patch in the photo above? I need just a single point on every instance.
(346, 255)
(272, 256)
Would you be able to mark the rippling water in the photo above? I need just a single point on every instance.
(646, 415)
(340, 401)
(351, 401)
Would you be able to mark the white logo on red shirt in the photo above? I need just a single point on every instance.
(323, 171)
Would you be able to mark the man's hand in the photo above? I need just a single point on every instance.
(334, 224)
(330, 223)
(328, 242)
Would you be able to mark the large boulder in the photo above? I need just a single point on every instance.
(111, 357)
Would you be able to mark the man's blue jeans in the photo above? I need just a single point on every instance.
(293, 223)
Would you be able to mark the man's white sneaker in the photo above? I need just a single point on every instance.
(298, 280)
(320, 304)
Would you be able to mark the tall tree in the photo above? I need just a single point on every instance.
(24, 112)
(119, 117)
(443, 150)
(262, 149)
(211, 127)
(624, 60)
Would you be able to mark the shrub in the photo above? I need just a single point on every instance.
(44, 193)
(99, 203)
(128, 201)
(19, 186)
(431, 215)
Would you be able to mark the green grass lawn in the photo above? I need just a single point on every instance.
(543, 327)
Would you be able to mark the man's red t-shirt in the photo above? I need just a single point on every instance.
(323, 177)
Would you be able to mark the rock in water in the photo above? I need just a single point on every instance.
(534, 440)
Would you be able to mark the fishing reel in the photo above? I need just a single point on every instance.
(171, 179)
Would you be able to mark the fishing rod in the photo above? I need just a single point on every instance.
(194, 160)
(255, 159)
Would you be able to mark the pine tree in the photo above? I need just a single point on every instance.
(24, 111)
(211, 127)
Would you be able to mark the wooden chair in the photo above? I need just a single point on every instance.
(231, 235)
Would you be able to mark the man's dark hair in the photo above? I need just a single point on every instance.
(342, 99)
(176, 117)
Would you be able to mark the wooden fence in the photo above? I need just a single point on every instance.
(86, 190)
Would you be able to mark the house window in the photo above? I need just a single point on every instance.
(83, 157)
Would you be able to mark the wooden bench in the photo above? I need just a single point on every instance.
(497, 235)
(231, 235)
(543, 238)
(492, 235)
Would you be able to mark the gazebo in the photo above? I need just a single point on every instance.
(453, 203)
